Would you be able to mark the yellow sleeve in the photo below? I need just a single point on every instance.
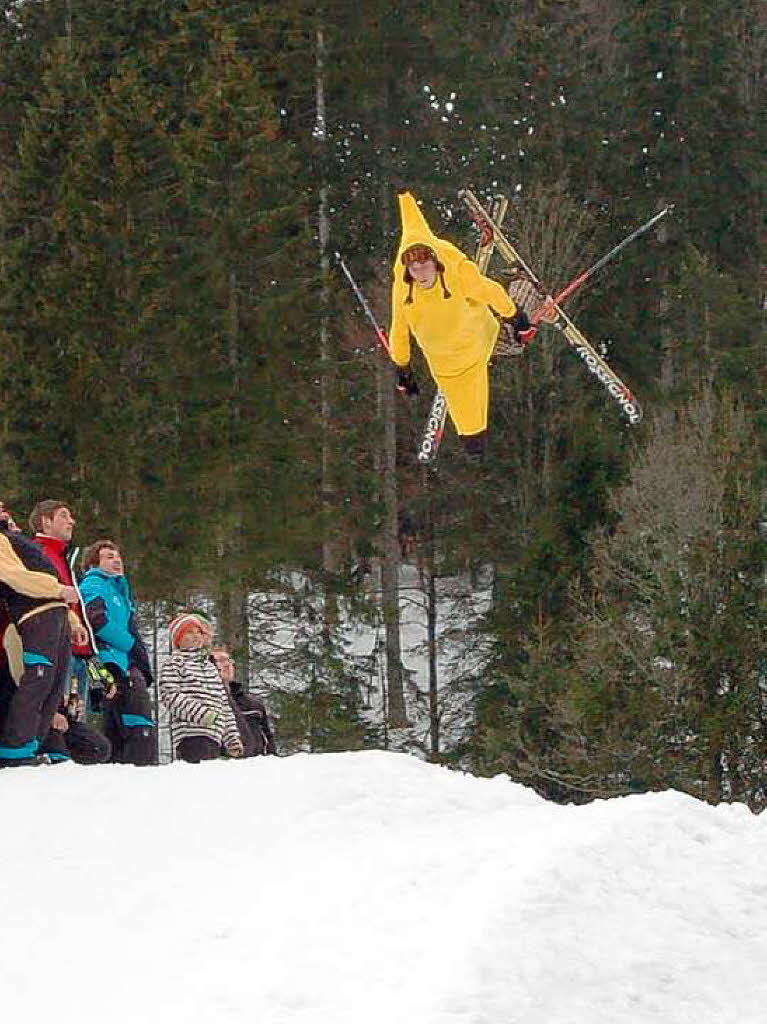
(483, 289)
(399, 332)
(25, 581)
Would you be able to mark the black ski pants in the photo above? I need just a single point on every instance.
(46, 640)
(81, 743)
(198, 748)
(128, 720)
(7, 690)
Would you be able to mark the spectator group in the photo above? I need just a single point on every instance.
(76, 681)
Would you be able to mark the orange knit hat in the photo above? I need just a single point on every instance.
(185, 621)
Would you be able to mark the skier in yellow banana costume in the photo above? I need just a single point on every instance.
(442, 300)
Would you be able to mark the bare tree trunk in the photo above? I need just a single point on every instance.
(668, 346)
(391, 555)
(233, 628)
(329, 548)
(431, 622)
(390, 564)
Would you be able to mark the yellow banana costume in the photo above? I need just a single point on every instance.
(451, 321)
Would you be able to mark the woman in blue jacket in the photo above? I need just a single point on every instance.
(109, 605)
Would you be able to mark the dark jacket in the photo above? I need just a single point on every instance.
(56, 552)
(28, 580)
(251, 711)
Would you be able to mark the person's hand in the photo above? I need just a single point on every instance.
(516, 334)
(59, 722)
(110, 692)
(524, 337)
(547, 314)
(75, 708)
(210, 719)
(524, 331)
(406, 382)
(68, 594)
(80, 636)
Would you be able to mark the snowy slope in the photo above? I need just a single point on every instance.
(367, 888)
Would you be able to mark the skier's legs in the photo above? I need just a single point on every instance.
(475, 444)
(468, 398)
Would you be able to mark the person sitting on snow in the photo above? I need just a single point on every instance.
(442, 300)
(249, 710)
(191, 688)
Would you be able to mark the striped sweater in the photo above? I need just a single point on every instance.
(190, 687)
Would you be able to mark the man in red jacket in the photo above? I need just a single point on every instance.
(52, 525)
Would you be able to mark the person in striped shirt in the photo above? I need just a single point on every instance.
(191, 688)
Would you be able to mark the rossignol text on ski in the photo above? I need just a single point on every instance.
(435, 428)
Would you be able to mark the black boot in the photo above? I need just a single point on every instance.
(475, 445)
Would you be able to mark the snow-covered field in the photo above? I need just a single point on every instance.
(371, 888)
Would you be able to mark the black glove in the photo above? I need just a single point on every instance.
(406, 382)
(516, 334)
(524, 331)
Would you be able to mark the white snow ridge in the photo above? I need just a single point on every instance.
(371, 888)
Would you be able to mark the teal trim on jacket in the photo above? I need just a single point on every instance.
(135, 721)
(114, 638)
(30, 658)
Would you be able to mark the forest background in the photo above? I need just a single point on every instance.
(182, 363)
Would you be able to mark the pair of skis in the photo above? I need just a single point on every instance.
(549, 311)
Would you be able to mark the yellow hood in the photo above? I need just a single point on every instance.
(415, 231)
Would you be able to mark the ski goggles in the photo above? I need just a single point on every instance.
(418, 254)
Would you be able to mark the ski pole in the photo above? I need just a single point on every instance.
(581, 278)
(364, 303)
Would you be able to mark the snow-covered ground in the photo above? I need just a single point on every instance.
(370, 888)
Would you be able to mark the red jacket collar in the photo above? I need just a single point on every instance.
(50, 544)
(54, 549)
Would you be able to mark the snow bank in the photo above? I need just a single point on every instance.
(368, 888)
